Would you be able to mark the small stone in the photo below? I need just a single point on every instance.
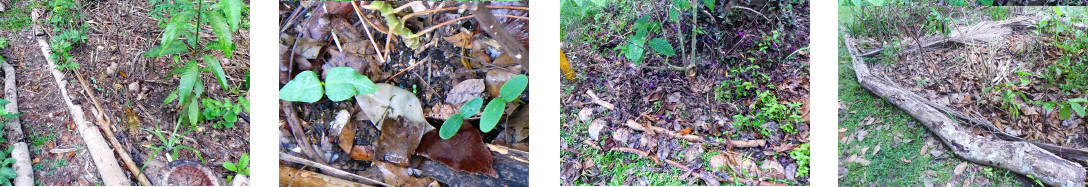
(112, 69)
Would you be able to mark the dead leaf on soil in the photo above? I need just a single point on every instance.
(472, 155)
(461, 39)
(772, 169)
(585, 114)
(862, 161)
(399, 140)
(441, 111)
(959, 168)
(465, 90)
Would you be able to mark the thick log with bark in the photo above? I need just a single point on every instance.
(511, 165)
(1017, 156)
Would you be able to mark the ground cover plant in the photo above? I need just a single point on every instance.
(684, 93)
(150, 105)
(1007, 74)
(380, 88)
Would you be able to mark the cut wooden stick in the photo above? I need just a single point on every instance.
(22, 166)
(290, 176)
(102, 123)
(329, 169)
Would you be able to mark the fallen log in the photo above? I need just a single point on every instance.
(24, 175)
(1017, 156)
(101, 154)
(511, 165)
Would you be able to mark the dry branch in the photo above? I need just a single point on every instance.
(101, 154)
(290, 176)
(25, 176)
(102, 123)
(329, 169)
(1017, 156)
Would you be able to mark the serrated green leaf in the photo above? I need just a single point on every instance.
(7, 173)
(194, 112)
(1064, 113)
(344, 82)
(1048, 106)
(233, 11)
(877, 2)
(174, 48)
(170, 98)
(179, 22)
(492, 112)
(513, 88)
(230, 166)
(641, 23)
(222, 33)
(304, 87)
(4, 102)
(188, 80)
(1078, 108)
(450, 127)
(673, 15)
(217, 69)
(471, 107)
(662, 46)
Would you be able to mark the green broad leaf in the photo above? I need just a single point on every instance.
(1078, 108)
(222, 33)
(189, 77)
(1078, 100)
(710, 5)
(174, 48)
(1064, 113)
(877, 2)
(7, 173)
(305, 88)
(450, 127)
(662, 46)
(230, 166)
(344, 82)
(4, 102)
(194, 112)
(8, 161)
(641, 23)
(492, 112)
(634, 53)
(1048, 106)
(178, 23)
(471, 107)
(217, 69)
(673, 15)
(513, 88)
(243, 162)
(682, 4)
(170, 98)
(233, 11)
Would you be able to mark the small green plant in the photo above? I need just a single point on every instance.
(181, 35)
(68, 26)
(1008, 93)
(938, 23)
(801, 154)
(169, 145)
(635, 47)
(1067, 108)
(5, 116)
(224, 110)
(509, 92)
(6, 173)
(341, 83)
(242, 167)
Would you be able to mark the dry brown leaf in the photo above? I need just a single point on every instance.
(901, 159)
(361, 153)
(959, 168)
(876, 150)
(461, 39)
(585, 114)
(471, 156)
(464, 91)
(862, 161)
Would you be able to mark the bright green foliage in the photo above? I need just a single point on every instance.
(801, 154)
(471, 107)
(242, 167)
(5, 116)
(189, 91)
(171, 145)
(6, 173)
(710, 5)
(67, 22)
(513, 88)
(224, 110)
(304, 87)
(217, 70)
(678, 5)
(450, 127)
(662, 46)
(342, 83)
(492, 112)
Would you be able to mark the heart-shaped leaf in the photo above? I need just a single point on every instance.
(345, 82)
(305, 88)
(512, 89)
(450, 127)
(492, 112)
(471, 107)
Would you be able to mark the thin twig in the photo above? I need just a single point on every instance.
(367, 29)
(328, 169)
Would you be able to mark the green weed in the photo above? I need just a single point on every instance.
(242, 167)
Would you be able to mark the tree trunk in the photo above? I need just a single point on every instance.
(1017, 156)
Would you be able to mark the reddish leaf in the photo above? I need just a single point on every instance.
(464, 151)
(398, 139)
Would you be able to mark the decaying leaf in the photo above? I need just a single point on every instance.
(361, 153)
(585, 114)
(347, 130)
(398, 101)
(462, 39)
(399, 140)
(464, 91)
(464, 151)
(596, 127)
(599, 101)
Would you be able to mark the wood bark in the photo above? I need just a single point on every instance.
(1017, 156)
(290, 176)
(101, 154)
(511, 165)
(25, 176)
